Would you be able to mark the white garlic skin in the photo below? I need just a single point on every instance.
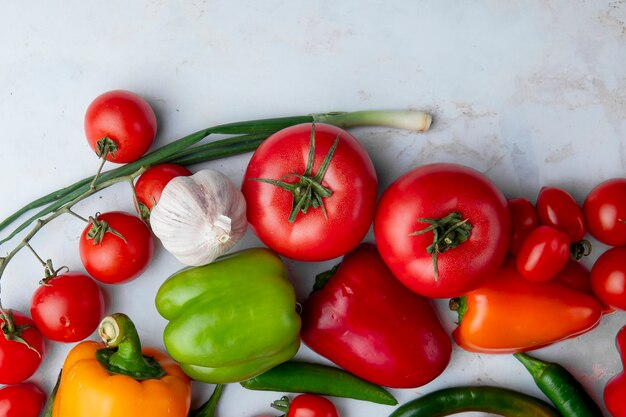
(199, 217)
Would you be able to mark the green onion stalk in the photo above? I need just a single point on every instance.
(246, 137)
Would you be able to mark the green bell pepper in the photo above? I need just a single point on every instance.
(232, 319)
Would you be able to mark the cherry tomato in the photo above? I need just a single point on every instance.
(310, 405)
(125, 118)
(543, 254)
(21, 400)
(604, 210)
(576, 276)
(608, 277)
(150, 184)
(455, 203)
(335, 211)
(523, 219)
(21, 348)
(67, 307)
(117, 259)
(557, 208)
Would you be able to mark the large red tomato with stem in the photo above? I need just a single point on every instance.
(22, 347)
(21, 400)
(67, 307)
(604, 211)
(442, 229)
(116, 247)
(126, 119)
(310, 192)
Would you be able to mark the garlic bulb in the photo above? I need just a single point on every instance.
(199, 217)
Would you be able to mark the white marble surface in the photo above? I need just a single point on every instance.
(529, 92)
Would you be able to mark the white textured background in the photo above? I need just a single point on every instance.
(530, 92)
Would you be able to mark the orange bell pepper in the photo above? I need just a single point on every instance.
(510, 314)
(122, 381)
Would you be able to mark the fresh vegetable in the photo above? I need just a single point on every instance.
(115, 247)
(232, 319)
(121, 379)
(313, 378)
(557, 208)
(561, 387)
(615, 389)
(544, 252)
(442, 229)
(120, 126)
(200, 217)
(368, 323)
(208, 408)
(67, 307)
(22, 347)
(21, 400)
(604, 211)
(150, 184)
(306, 405)
(509, 314)
(523, 220)
(304, 186)
(487, 399)
(608, 277)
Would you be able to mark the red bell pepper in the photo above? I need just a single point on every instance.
(510, 314)
(364, 320)
(615, 390)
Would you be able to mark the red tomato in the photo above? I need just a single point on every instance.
(434, 192)
(608, 277)
(318, 231)
(21, 400)
(124, 117)
(576, 276)
(557, 208)
(310, 405)
(115, 260)
(19, 360)
(543, 254)
(68, 307)
(605, 212)
(150, 184)
(615, 389)
(523, 219)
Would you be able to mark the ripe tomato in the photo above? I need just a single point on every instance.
(21, 347)
(300, 215)
(67, 307)
(557, 208)
(473, 228)
(125, 118)
(604, 210)
(115, 259)
(523, 219)
(310, 405)
(576, 276)
(543, 254)
(150, 184)
(608, 277)
(21, 400)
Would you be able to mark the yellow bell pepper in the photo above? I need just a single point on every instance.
(121, 381)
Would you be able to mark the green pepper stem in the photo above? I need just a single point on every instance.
(208, 408)
(118, 331)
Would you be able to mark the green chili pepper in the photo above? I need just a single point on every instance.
(232, 319)
(208, 408)
(311, 378)
(494, 400)
(560, 386)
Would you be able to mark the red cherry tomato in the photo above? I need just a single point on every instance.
(543, 254)
(604, 210)
(68, 307)
(309, 405)
(615, 389)
(125, 118)
(576, 276)
(21, 400)
(339, 206)
(523, 219)
(150, 184)
(19, 359)
(557, 208)
(115, 259)
(608, 277)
